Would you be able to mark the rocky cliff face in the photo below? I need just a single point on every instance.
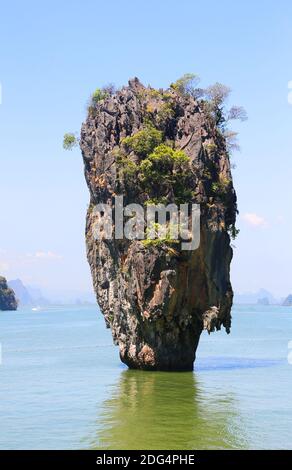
(7, 296)
(156, 297)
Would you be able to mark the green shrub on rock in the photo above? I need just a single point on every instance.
(166, 171)
(70, 141)
(163, 163)
(98, 95)
(220, 188)
(186, 85)
(233, 231)
(163, 235)
(144, 141)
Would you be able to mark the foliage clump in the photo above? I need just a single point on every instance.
(216, 96)
(144, 141)
(153, 93)
(214, 103)
(186, 85)
(164, 162)
(161, 235)
(213, 100)
(233, 231)
(166, 171)
(69, 141)
(161, 170)
(165, 113)
(98, 95)
(220, 188)
(148, 161)
(128, 168)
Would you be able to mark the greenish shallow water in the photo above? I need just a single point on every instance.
(62, 386)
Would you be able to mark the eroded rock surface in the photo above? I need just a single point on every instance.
(7, 296)
(158, 299)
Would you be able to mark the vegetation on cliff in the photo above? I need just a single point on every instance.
(148, 162)
(161, 146)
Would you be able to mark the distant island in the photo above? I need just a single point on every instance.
(288, 301)
(26, 295)
(7, 296)
(32, 296)
(263, 301)
(260, 297)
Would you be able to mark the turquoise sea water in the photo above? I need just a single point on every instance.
(62, 386)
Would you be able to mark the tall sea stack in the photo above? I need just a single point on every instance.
(160, 146)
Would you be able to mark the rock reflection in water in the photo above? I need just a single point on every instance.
(160, 410)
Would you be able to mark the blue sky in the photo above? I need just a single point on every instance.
(54, 54)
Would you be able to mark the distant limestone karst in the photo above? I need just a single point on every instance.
(27, 295)
(7, 296)
(263, 301)
(288, 301)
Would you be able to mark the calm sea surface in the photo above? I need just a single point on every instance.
(62, 386)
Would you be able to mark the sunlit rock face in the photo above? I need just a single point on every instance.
(157, 298)
(7, 296)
